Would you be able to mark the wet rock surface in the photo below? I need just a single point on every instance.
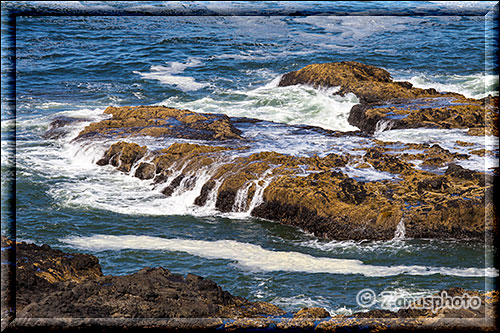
(326, 201)
(369, 83)
(479, 116)
(59, 126)
(423, 184)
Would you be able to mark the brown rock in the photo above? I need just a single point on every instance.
(313, 312)
(369, 83)
(161, 121)
(145, 171)
(392, 104)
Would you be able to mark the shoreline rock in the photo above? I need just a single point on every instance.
(54, 284)
(68, 291)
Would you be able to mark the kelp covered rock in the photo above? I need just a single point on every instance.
(479, 116)
(326, 201)
(369, 83)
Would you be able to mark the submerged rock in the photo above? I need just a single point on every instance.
(58, 127)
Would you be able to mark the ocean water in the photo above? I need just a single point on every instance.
(77, 65)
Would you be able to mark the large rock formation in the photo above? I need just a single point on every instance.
(160, 121)
(318, 194)
(385, 103)
(369, 83)
(326, 202)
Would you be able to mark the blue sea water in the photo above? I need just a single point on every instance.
(80, 57)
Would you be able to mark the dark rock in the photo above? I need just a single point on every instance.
(352, 191)
(56, 131)
(438, 184)
(338, 228)
(225, 200)
(54, 284)
(145, 171)
(167, 191)
(201, 200)
(458, 171)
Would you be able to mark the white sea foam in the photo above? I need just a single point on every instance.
(368, 174)
(344, 29)
(400, 232)
(165, 74)
(298, 104)
(254, 257)
(473, 86)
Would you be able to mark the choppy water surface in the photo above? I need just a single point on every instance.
(78, 65)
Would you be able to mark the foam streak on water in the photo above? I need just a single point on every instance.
(255, 257)
(165, 74)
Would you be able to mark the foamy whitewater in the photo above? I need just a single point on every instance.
(76, 66)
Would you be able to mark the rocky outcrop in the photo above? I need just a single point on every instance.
(326, 201)
(319, 194)
(479, 116)
(371, 84)
(389, 104)
(54, 284)
(59, 126)
(159, 121)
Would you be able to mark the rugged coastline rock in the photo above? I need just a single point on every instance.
(68, 290)
(371, 84)
(479, 116)
(389, 104)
